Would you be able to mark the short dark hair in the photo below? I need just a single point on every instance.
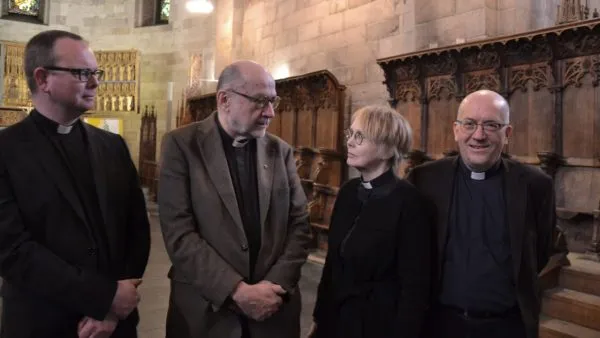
(39, 52)
(230, 74)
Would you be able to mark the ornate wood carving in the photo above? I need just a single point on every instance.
(540, 75)
(444, 64)
(528, 51)
(576, 69)
(147, 156)
(485, 58)
(482, 80)
(441, 84)
(408, 91)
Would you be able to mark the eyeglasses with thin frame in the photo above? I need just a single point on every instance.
(261, 101)
(358, 136)
(469, 126)
(81, 74)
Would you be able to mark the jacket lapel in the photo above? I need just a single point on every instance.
(516, 203)
(52, 164)
(213, 155)
(264, 170)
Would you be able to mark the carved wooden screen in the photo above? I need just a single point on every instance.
(310, 118)
(551, 80)
(147, 155)
(549, 77)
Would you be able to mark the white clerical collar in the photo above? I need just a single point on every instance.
(66, 129)
(366, 185)
(239, 142)
(479, 176)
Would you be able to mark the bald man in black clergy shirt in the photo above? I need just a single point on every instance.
(495, 221)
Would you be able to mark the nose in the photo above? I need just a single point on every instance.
(269, 112)
(479, 133)
(350, 141)
(93, 82)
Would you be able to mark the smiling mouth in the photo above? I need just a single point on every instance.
(479, 146)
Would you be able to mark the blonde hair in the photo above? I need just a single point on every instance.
(386, 128)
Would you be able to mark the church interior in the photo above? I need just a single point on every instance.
(329, 58)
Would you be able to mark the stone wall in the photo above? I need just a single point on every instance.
(294, 37)
(166, 50)
(290, 37)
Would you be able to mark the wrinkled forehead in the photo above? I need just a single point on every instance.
(74, 53)
(484, 109)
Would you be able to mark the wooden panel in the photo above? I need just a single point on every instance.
(275, 125)
(440, 137)
(288, 126)
(578, 125)
(532, 129)
(304, 129)
(328, 133)
(412, 112)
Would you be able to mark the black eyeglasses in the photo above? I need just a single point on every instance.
(262, 101)
(82, 74)
(470, 126)
(358, 136)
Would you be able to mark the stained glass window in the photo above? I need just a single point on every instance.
(24, 7)
(165, 10)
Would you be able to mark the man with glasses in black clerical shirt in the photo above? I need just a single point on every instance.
(233, 216)
(495, 223)
(74, 231)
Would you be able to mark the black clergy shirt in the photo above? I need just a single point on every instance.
(241, 160)
(477, 271)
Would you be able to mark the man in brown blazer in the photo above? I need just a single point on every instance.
(495, 221)
(234, 219)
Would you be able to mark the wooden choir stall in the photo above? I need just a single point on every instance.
(310, 117)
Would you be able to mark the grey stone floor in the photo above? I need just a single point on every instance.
(155, 289)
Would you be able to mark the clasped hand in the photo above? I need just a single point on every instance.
(124, 302)
(258, 301)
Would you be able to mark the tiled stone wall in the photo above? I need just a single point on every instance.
(165, 50)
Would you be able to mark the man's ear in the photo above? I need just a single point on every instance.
(222, 99)
(40, 75)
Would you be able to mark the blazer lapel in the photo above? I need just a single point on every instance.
(52, 164)
(264, 170)
(516, 202)
(213, 155)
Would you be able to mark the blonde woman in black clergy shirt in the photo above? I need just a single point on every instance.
(376, 277)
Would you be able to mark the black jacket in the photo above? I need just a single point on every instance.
(49, 258)
(376, 278)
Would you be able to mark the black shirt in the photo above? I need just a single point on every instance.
(477, 271)
(241, 161)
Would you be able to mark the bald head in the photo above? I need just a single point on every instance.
(240, 73)
(485, 102)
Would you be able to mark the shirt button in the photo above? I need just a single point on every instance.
(244, 247)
